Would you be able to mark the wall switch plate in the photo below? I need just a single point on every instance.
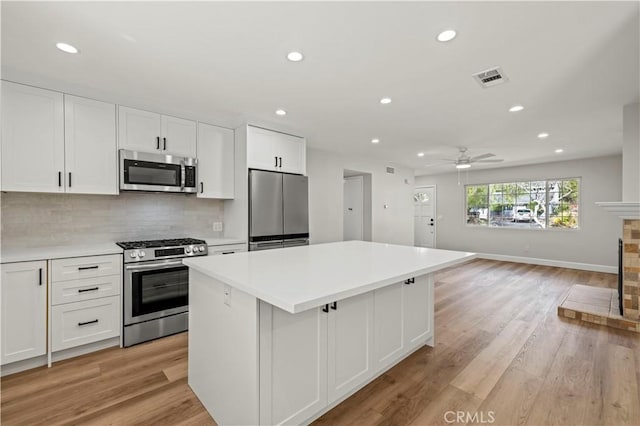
(227, 295)
(217, 226)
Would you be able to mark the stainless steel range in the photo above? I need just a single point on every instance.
(156, 287)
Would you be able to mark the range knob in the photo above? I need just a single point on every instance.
(202, 249)
(133, 254)
(187, 250)
(142, 253)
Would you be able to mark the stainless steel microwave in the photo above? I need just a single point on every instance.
(144, 171)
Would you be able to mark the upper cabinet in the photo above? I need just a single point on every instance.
(91, 160)
(269, 150)
(32, 139)
(146, 131)
(215, 162)
(57, 143)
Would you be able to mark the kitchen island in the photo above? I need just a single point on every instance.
(282, 336)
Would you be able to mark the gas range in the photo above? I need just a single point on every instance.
(143, 251)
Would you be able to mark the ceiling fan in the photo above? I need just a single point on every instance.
(464, 161)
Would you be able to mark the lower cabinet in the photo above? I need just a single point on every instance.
(23, 289)
(417, 313)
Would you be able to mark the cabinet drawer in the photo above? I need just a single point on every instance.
(85, 267)
(79, 323)
(84, 289)
(232, 248)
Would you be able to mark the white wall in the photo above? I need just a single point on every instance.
(326, 171)
(631, 153)
(595, 243)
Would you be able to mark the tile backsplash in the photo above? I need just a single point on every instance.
(36, 220)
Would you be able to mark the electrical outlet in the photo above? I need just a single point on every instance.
(227, 295)
(217, 226)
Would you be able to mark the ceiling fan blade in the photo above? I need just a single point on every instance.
(482, 157)
(449, 159)
(497, 160)
(439, 163)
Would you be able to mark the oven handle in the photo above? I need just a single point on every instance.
(164, 265)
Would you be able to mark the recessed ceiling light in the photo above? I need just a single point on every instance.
(516, 108)
(281, 112)
(421, 154)
(375, 140)
(543, 135)
(295, 56)
(385, 101)
(463, 166)
(559, 151)
(66, 48)
(446, 35)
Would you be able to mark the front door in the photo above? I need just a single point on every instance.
(424, 202)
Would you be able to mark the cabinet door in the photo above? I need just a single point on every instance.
(292, 151)
(215, 162)
(388, 318)
(91, 160)
(138, 130)
(32, 139)
(178, 136)
(24, 310)
(293, 365)
(262, 149)
(350, 345)
(418, 311)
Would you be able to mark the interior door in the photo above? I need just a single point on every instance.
(296, 205)
(265, 208)
(424, 202)
(353, 208)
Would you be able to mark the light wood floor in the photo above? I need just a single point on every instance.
(500, 348)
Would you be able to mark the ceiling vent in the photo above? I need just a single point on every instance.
(391, 170)
(490, 77)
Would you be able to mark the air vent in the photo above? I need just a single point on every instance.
(391, 170)
(490, 77)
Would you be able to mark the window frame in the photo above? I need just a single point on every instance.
(546, 207)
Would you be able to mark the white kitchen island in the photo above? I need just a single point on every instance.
(282, 336)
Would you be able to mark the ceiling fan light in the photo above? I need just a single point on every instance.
(463, 166)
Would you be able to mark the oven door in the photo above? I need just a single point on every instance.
(154, 290)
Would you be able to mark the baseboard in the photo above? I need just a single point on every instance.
(27, 364)
(550, 262)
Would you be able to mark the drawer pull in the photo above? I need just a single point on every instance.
(82, 290)
(80, 324)
(84, 268)
(228, 252)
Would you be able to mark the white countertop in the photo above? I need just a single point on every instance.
(9, 255)
(299, 278)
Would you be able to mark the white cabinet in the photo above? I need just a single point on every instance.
(24, 310)
(350, 345)
(293, 364)
(85, 300)
(90, 148)
(146, 131)
(388, 321)
(227, 249)
(269, 150)
(32, 139)
(418, 313)
(215, 162)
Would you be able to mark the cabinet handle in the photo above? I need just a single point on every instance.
(202, 187)
(157, 142)
(82, 290)
(334, 306)
(325, 308)
(280, 162)
(59, 178)
(40, 276)
(410, 281)
(165, 144)
(228, 252)
(276, 161)
(84, 268)
(80, 324)
(69, 179)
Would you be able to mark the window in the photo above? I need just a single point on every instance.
(541, 204)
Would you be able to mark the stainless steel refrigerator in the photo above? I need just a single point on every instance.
(278, 210)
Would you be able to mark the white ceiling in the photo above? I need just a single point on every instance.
(573, 65)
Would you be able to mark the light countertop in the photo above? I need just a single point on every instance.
(9, 255)
(222, 241)
(299, 278)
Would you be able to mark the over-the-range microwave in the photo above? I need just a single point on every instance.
(145, 171)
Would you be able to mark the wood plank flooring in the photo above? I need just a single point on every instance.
(500, 349)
